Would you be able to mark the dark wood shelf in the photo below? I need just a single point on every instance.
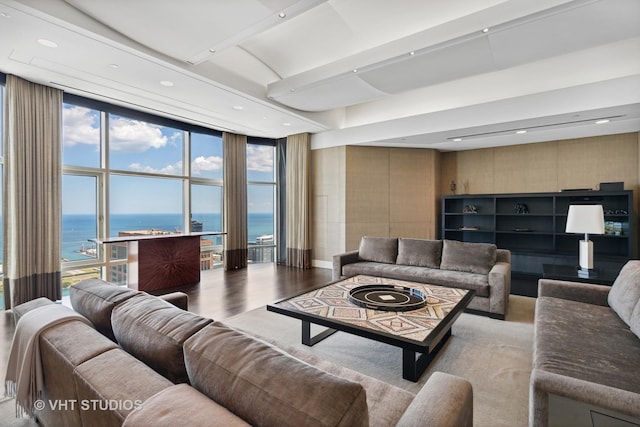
(546, 217)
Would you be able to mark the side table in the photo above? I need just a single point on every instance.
(599, 276)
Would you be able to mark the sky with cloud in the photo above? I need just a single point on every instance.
(149, 148)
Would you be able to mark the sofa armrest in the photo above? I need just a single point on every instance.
(574, 291)
(342, 259)
(179, 299)
(500, 288)
(444, 401)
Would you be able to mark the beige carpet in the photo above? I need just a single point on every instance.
(494, 355)
(8, 414)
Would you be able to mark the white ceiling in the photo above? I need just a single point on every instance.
(404, 73)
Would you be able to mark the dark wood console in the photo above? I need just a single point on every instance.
(161, 261)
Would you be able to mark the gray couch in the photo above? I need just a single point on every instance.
(587, 352)
(148, 363)
(477, 266)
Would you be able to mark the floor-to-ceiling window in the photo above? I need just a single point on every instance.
(131, 173)
(261, 193)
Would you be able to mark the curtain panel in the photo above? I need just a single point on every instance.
(298, 213)
(235, 200)
(32, 192)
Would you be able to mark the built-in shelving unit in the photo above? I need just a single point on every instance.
(532, 226)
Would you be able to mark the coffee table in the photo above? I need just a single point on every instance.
(423, 331)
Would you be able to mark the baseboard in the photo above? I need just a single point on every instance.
(322, 264)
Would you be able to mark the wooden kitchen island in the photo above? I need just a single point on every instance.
(161, 261)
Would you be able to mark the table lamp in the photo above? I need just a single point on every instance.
(587, 219)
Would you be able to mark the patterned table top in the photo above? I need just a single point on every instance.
(332, 302)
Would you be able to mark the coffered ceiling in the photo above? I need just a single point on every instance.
(449, 75)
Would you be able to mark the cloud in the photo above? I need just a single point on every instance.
(81, 126)
(205, 164)
(260, 158)
(174, 169)
(134, 136)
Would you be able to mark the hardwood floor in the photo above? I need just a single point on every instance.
(220, 294)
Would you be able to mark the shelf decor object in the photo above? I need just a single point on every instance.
(587, 219)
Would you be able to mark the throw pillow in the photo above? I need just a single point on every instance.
(95, 299)
(419, 252)
(625, 291)
(468, 257)
(154, 331)
(265, 386)
(378, 249)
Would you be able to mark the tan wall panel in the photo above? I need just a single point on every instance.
(409, 176)
(586, 162)
(527, 168)
(448, 172)
(328, 189)
(417, 230)
(371, 191)
(475, 172)
(367, 185)
(414, 192)
(355, 231)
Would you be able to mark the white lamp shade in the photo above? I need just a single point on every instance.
(585, 219)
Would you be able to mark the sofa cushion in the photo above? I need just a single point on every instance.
(264, 386)
(419, 252)
(153, 330)
(625, 291)
(433, 276)
(470, 257)
(95, 299)
(111, 385)
(586, 342)
(181, 405)
(63, 347)
(378, 249)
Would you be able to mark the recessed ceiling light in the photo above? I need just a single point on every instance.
(457, 139)
(286, 124)
(47, 43)
(282, 15)
(238, 107)
(412, 53)
(5, 15)
(292, 89)
(520, 132)
(355, 70)
(166, 83)
(115, 66)
(603, 121)
(485, 30)
(212, 50)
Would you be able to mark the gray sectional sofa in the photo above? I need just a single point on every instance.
(148, 363)
(481, 267)
(586, 361)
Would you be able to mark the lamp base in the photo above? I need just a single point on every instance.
(586, 254)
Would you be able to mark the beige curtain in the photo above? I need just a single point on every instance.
(298, 200)
(235, 200)
(32, 192)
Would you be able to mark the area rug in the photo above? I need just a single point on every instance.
(8, 414)
(494, 355)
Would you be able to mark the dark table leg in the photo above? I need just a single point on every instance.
(307, 339)
(413, 368)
